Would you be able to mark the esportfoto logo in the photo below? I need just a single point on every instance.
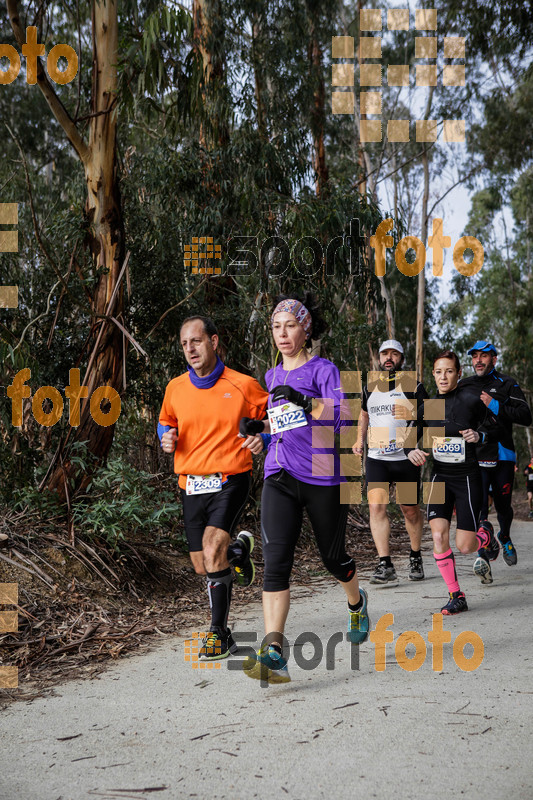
(47, 403)
(398, 75)
(192, 647)
(32, 49)
(198, 259)
(380, 637)
(308, 256)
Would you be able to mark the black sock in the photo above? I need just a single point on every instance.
(415, 553)
(385, 560)
(219, 590)
(357, 606)
(277, 648)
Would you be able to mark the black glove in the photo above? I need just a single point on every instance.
(250, 427)
(290, 395)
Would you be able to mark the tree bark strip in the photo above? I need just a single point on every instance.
(105, 236)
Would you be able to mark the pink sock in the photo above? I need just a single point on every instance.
(483, 537)
(446, 564)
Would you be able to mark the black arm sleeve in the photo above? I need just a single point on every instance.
(486, 424)
(515, 408)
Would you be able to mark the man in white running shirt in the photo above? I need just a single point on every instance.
(389, 401)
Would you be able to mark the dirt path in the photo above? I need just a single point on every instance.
(151, 726)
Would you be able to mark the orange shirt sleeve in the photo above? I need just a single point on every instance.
(257, 400)
(167, 415)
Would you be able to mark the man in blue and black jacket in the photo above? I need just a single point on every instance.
(504, 397)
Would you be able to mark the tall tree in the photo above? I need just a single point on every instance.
(97, 154)
(318, 112)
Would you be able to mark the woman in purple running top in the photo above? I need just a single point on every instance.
(302, 471)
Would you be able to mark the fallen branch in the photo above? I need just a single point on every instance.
(48, 581)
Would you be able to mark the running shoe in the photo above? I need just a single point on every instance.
(216, 645)
(384, 575)
(530, 515)
(359, 622)
(245, 572)
(492, 550)
(267, 665)
(482, 568)
(455, 604)
(416, 569)
(508, 551)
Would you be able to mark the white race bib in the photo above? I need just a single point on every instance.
(204, 484)
(391, 447)
(449, 449)
(286, 417)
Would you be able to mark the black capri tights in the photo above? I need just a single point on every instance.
(283, 501)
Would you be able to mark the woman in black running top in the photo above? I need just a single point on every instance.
(452, 424)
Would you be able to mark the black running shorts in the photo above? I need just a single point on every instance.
(219, 509)
(405, 474)
(464, 493)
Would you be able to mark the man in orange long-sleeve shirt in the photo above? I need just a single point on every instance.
(199, 423)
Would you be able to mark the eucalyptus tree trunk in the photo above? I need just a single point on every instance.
(208, 36)
(105, 233)
(318, 113)
(419, 361)
(208, 27)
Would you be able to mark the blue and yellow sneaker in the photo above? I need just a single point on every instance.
(359, 622)
(267, 665)
(508, 551)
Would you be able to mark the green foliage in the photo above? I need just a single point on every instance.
(505, 138)
(234, 157)
(121, 501)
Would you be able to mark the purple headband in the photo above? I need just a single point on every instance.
(298, 310)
